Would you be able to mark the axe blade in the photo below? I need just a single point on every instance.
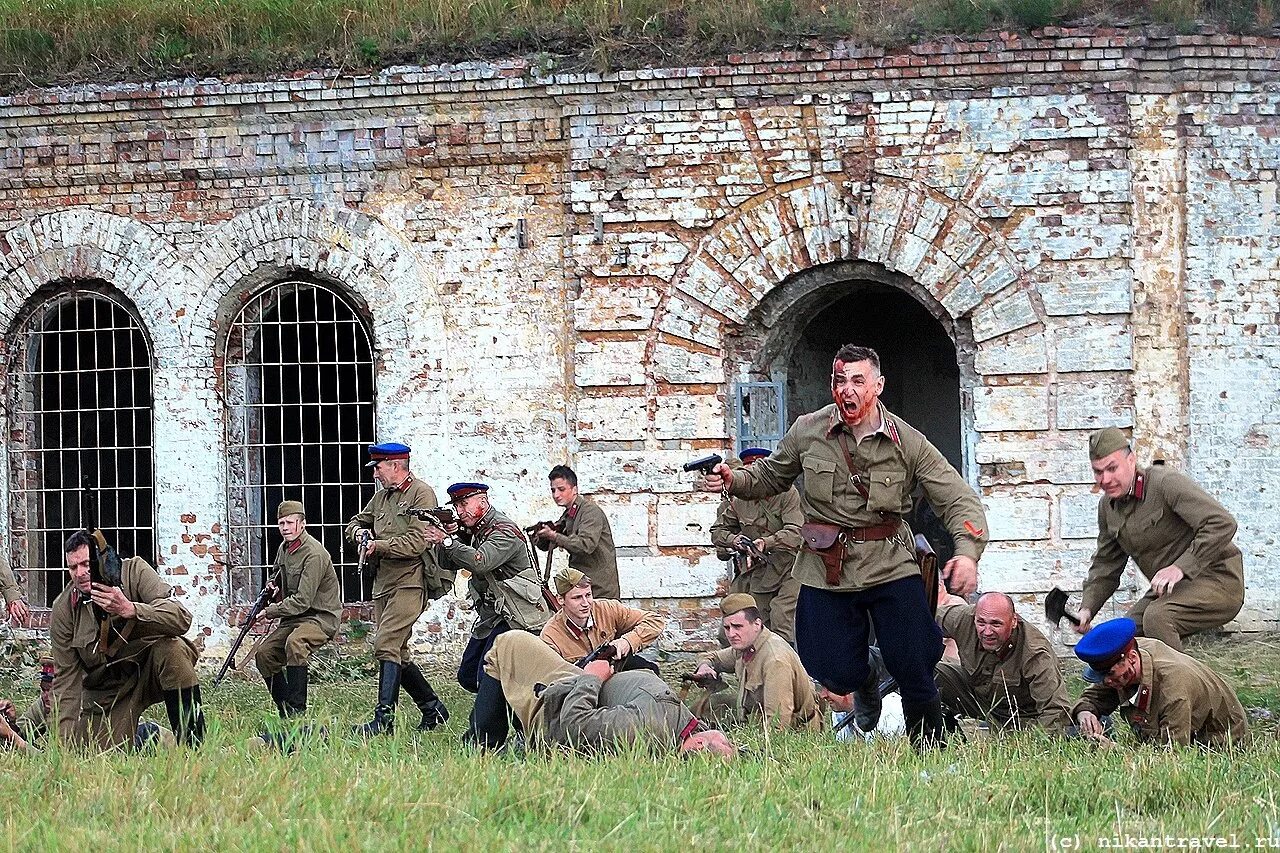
(1055, 608)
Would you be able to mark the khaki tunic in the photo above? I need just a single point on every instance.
(1017, 687)
(8, 583)
(1169, 520)
(99, 698)
(771, 682)
(504, 584)
(33, 723)
(776, 520)
(1179, 701)
(309, 610)
(400, 543)
(588, 539)
(892, 470)
(610, 620)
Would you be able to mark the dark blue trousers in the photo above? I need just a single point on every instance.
(472, 666)
(832, 628)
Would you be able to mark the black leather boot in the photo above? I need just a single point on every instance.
(384, 713)
(434, 713)
(275, 686)
(490, 722)
(867, 699)
(926, 726)
(294, 692)
(186, 714)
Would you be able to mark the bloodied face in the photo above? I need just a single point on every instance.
(856, 388)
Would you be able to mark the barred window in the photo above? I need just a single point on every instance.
(80, 450)
(299, 380)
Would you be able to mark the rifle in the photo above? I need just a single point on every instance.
(254, 612)
(712, 683)
(548, 597)
(885, 687)
(745, 554)
(553, 600)
(441, 517)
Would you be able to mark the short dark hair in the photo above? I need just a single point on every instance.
(564, 472)
(850, 353)
(77, 540)
(752, 613)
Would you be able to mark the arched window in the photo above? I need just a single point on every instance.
(299, 380)
(80, 448)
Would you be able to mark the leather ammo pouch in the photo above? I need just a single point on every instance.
(928, 562)
(826, 541)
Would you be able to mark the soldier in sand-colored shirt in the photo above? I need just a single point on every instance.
(584, 623)
(15, 604)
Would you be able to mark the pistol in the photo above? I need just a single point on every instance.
(705, 465)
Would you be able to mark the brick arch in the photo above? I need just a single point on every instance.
(959, 262)
(90, 244)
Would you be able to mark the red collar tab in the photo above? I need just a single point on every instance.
(293, 546)
(573, 510)
(891, 428)
(689, 729)
(1140, 487)
(405, 485)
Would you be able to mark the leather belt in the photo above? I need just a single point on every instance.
(874, 532)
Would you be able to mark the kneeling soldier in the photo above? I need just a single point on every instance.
(309, 608)
(118, 646)
(584, 623)
(772, 682)
(1167, 697)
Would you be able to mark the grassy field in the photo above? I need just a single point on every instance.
(787, 792)
(45, 41)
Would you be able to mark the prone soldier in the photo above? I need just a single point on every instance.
(118, 648)
(858, 566)
(1167, 697)
(583, 531)
(396, 543)
(765, 536)
(309, 608)
(503, 585)
(1179, 536)
(583, 624)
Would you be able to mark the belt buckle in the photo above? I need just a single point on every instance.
(855, 538)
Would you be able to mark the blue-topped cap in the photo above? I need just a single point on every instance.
(1104, 646)
(386, 450)
(749, 453)
(462, 491)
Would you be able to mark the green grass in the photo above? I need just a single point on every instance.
(45, 41)
(787, 792)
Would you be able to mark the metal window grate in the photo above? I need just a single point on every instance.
(299, 381)
(81, 447)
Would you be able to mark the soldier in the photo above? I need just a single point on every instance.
(768, 527)
(583, 531)
(117, 635)
(858, 568)
(504, 587)
(1179, 536)
(591, 710)
(772, 683)
(309, 606)
(396, 544)
(585, 623)
(1167, 697)
(1007, 673)
(15, 604)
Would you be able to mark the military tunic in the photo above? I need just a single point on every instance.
(610, 620)
(504, 586)
(777, 521)
(1169, 520)
(772, 683)
(893, 461)
(100, 693)
(33, 723)
(587, 538)
(402, 555)
(1178, 701)
(1016, 687)
(8, 583)
(309, 609)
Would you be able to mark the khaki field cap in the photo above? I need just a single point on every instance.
(290, 508)
(736, 601)
(567, 580)
(1106, 441)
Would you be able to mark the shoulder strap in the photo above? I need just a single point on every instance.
(855, 473)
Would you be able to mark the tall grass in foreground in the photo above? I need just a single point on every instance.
(788, 792)
(59, 40)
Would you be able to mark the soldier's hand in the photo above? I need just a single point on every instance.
(545, 533)
(1085, 625)
(961, 574)
(434, 534)
(274, 591)
(622, 647)
(601, 669)
(112, 599)
(704, 672)
(1090, 725)
(19, 613)
(8, 711)
(741, 544)
(720, 478)
(1163, 581)
(370, 548)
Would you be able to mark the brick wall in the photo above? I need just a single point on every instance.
(1091, 214)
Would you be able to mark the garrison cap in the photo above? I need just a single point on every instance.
(462, 491)
(735, 602)
(1103, 647)
(567, 580)
(752, 453)
(386, 450)
(1106, 441)
(47, 668)
(290, 508)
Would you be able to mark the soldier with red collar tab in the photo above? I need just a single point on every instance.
(397, 545)
(1181, 539)
(309, 606)
(583, 531)
(858, 566)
